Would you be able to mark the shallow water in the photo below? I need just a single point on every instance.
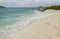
(10, 15)
(15, 19)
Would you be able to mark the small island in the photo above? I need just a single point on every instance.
(2, 7)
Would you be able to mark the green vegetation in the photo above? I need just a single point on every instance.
(53, 7)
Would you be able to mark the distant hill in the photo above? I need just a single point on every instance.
(2, 7)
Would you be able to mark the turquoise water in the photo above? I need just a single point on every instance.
(14, 19)
(9, 16)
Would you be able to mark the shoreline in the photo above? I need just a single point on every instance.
(29, 26)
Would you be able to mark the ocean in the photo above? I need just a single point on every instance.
(9, 16)
(16, 19)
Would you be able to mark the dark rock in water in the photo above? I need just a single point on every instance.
(2, 7)
(41, 8)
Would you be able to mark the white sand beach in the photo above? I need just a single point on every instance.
(44, 28)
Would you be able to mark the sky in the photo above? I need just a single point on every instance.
(28, 3)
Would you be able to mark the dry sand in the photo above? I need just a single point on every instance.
(45, 28)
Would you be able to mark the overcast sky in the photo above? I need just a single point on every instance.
(28, 3)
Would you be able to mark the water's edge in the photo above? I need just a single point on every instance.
(16, 27)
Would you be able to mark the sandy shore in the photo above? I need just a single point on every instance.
(45, 28)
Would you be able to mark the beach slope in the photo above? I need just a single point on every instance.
(45, 28)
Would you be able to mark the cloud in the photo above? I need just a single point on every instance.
(28, 3)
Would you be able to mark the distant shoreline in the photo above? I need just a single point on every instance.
(2, 7)
(57, 7)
